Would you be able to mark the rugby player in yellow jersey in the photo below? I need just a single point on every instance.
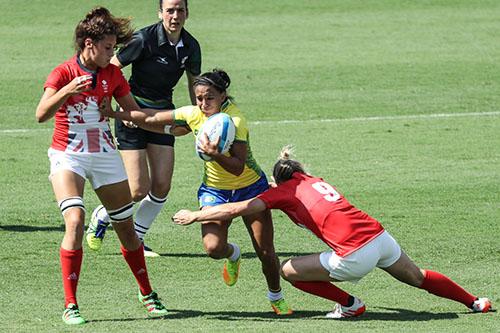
(230, 177)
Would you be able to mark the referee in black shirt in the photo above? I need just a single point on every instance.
(159, 54)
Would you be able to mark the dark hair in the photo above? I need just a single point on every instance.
(285, 167)
(217, 78)
(98, 23)
(185, 2)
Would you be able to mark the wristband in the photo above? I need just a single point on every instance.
(167, 129)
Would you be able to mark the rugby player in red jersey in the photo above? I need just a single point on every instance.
(82, 148)
(359, 243)
(159, 55)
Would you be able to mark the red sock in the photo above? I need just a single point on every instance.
(324, 289)
(136, 262)
(442, 286)
(71, 263)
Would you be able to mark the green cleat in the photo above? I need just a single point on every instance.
(96, 230)
(231, 271)
(153, 304)
(281, 307)
(71, 315)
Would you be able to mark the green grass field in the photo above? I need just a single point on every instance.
(394, 102)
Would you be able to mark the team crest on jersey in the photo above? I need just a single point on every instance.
(104, 86)
(162, 60)
(183, 61)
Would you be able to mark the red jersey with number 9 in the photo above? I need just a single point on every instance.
(312, 203)
(79, 126)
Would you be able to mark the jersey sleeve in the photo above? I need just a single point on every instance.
(193, 63)
(240, 124)
(132, 51)
(183, 114)
(275, 198)
(57, 79)
(122, 87)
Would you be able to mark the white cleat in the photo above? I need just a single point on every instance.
(481, 305)
(339, 311)
(148, 252)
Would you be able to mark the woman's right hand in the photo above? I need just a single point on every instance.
(79, 84)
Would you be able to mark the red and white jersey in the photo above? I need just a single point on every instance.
(312, 203)
(79, 126)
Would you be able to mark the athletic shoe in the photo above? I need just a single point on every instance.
(96, 230)
(481, 305)
(281, 307)
(71, 315)
(153, 304)
(231, 271)
(148, 252)
(339, 311)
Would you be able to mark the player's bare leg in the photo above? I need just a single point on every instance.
(260, 228)
(405, 270)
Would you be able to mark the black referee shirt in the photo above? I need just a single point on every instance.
(157, 65)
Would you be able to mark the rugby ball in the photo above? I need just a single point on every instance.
(219, 125)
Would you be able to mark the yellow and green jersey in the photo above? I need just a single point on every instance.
(214, 174)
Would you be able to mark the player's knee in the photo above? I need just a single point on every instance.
(74, 225)
(73, 211)
(72, 206)
(284, 270)
(161, 189)
(140, 192)
(266, 254)
(138, 195)
(215, 250)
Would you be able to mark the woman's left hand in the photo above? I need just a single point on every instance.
(207, 147)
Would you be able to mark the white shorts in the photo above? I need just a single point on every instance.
(99, 168)
(382, 251)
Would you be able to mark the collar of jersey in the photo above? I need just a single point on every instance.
(82, 66)
(225, 105)
(163, 39)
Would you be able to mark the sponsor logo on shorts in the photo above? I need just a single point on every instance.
(209, 199)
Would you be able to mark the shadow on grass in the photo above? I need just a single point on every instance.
(389, 314)
(396, 314)
(31, 228)
(245, 255)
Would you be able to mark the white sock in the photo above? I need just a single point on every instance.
(236, 252)
(148, 210)
(274, 295)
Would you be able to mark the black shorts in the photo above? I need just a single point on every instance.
(138, 138)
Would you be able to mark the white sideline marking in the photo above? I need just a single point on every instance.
(380, 118)
(327, 120)
(24, 130)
